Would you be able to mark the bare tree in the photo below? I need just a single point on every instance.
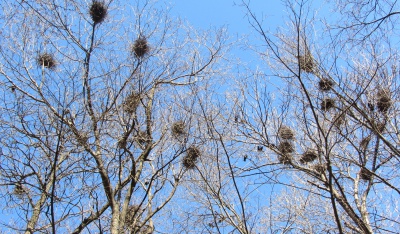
(94, 98)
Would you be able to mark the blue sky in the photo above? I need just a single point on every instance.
(216, 13)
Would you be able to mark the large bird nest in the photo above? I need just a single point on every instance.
(309, 156)
(384, 101)
(131, 102)
(325, 84)
(98, 11)
(306, 63)
(140, 48)
(365, 174)
(190, 159)
(327, 104)
(46, 60)
(286, 133)
(178, 129)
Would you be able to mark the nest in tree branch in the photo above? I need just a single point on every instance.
(178, 129)
(325, 84)
(140, 48)
(122, 143)
(327, 104)
(339, 119)
(285, 159)
(384, 101)
(98, 11)
(286, 147)
(319, 168)
(18, 189)
(365, 174)
(286, 133)
(46, 60)
(309, 156)
(306, 63)
(131, 102)
(381, 127)
(190, 159)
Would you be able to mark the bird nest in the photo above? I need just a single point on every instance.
(286, 133)
(46, 60)
(339, 119)
(18, 189)
(309, 156)
(384, 101)
(286, 147)
(319, 168)
(131, 102)
(365, 174)
(122, 143)
(190, 159)
(306, 63)
(325, 84)
(327, 104)
(140, 48)
(98, 12)
(285, 159)
(178, 129)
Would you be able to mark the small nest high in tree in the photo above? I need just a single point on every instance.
(190, 159)
(131, 102)
(384, 101)
(178, 129)
(319, 168)
(46, 60)
(325, 84)
(327, 104)
(338, 120)
(98, 11)
(140, 48)
(18, 189)
(306, 63)
(285, 159)
(308, 156)
(286, 133)
(286, 148)
(365, 174)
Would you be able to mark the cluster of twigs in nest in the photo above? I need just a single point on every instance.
(306, 63)
(18, 189)
(286, 148)
(285, 159)
(190, 159)
(308, 156)
(320, 168)
(98, 12)
(178, 129)
(132, 102)
(365, 174)
(384, 101)
(46, 60)
(327, 104)
(286, 133)
(325, 84)
(140, 48)
(339, 119)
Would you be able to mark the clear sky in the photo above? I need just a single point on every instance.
(216, 13)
